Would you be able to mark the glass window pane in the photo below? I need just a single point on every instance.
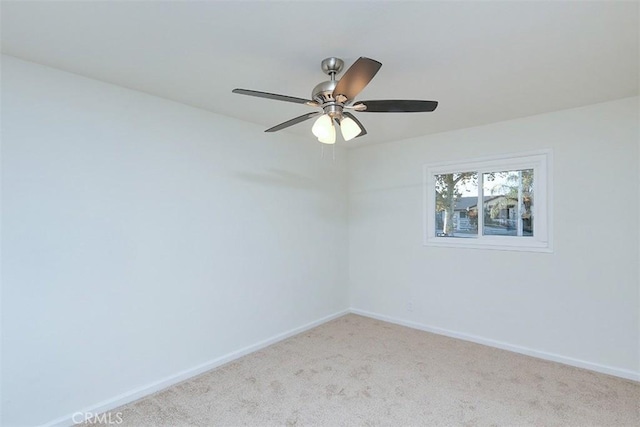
(508, 203)
(457, 204)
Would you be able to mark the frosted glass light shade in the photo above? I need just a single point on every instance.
(324, 130)
(322, 126)
(331, 138)
(349, 128)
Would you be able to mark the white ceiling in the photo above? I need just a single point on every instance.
(483, 61)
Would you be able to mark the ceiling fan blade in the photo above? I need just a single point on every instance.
(356, 77)
(396, 106)
(275, 96)
(293, 121)
(352, 117)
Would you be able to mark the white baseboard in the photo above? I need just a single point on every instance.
(622, 373)
(147, 389)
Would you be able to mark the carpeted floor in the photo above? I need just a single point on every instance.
(357, 371)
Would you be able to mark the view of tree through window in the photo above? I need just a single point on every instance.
(456, 197)
(508, 202)
(506, 207)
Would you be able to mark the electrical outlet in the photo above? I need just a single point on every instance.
(410, 306)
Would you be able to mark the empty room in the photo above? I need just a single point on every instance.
(318, 213)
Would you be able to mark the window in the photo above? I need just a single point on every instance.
(494, 203)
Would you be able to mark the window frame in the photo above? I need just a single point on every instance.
(541, 163)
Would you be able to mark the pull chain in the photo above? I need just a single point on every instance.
(333, 152)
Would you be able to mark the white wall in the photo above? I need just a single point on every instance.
(578, 304)
(142, 237)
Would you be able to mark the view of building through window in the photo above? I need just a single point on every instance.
(506, 207)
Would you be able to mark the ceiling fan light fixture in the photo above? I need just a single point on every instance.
(349, 128)
(324, 130)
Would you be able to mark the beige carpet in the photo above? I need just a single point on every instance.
(356, 371)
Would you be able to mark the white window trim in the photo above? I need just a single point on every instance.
(541, 163)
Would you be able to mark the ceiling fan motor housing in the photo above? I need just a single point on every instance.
(323, 94)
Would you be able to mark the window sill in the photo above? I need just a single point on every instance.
(490, 244)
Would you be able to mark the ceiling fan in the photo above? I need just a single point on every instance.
(336, 97)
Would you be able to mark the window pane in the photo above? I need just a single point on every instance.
(508, 203)
(457, 204)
